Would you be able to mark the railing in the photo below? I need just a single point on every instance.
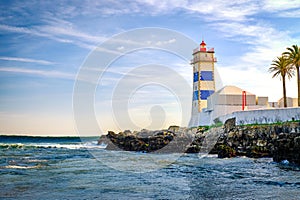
(208, 49)
(206, 59)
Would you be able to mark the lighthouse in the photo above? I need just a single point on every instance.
(203, 80)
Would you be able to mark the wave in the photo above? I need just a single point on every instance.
(86, 145)
(19, 167)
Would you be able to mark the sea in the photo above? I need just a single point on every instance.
(78, 168)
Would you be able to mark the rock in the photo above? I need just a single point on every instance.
(146, 141)
(282, 142)
(193, 149)
(225, 151)
(173, 129)
(229, 125)
(127, 132)
(261, 143)
(287, 147)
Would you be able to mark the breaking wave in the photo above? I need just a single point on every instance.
(87, 145)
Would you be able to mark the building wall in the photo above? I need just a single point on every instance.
(263, 101)
(291, 102)
(295, 102)
(206, 66)
(220, 99)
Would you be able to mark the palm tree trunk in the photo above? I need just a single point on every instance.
(284, 92)
(298, 80)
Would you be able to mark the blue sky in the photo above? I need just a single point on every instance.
(43, 44)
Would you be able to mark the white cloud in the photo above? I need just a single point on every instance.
(59, 34)
(259, 82)
(280, 5)
(53, 74)
(215, 10)
(264, 42)
(44, 62)
(62, 28)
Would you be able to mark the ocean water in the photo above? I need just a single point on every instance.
(68, 168)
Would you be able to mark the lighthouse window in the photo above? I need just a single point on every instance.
(205, 55)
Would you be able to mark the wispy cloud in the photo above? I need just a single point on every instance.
(57, 33)
(63, 28)
(29, 60)
(31, 31)
(215, 10)
(280, 5)
(52, 73)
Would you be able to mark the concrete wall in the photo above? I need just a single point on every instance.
(264, 116)
(221, 110)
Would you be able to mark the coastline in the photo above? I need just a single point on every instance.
(280, 141)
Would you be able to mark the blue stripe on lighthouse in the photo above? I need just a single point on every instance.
(206, 76)
(195, 95)
(196, 76)
(204, 94)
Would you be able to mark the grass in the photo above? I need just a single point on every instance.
(275, 123)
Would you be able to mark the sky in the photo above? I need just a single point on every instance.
(45, 44)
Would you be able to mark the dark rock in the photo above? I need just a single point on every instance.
(193, 149)
(280, 141)
(152, 140)
(173, 129)
(229, 125)
(225, 151)
(287, 147)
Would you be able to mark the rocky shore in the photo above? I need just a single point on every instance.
(280, 141)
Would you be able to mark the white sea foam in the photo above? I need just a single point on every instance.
(86, 145)
(71, 146)
(204, 155)
(19, 167)
(35, 160)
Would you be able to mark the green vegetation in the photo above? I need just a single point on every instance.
(267, 124)
(217, 123)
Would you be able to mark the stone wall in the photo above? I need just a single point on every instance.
(264, 116)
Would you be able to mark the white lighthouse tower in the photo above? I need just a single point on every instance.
(203, 81)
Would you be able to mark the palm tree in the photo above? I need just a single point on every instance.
(293, 55)
(281, 66)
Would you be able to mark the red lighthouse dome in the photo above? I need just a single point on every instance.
(202, 46)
